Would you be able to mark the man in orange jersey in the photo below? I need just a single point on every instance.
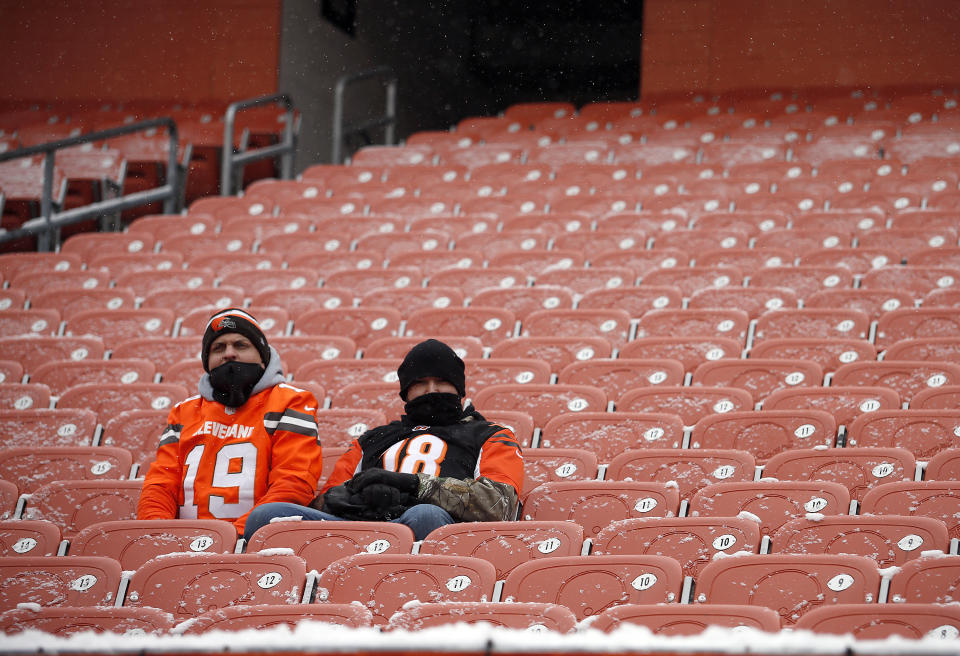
(247, 438)
(439, 463)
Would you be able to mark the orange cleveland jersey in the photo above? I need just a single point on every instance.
(212, 464)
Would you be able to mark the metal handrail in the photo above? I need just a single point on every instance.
(46, 225)
(231, 163)
(389, 119)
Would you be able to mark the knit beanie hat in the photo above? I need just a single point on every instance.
(431, 358)
(234, 320)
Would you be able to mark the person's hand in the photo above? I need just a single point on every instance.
(380, 496)
(407, 483)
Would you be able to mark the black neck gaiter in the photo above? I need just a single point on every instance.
(233, 382)
(434, 409)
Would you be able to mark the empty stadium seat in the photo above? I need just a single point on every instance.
(888, 540)
(47, 427)
(304, 348)
(339, 426)
(765, 433)
(947, 396)
(69, 301)
(906, 377)
(188, 584)
(858, 469)
(829, 353)
(543, 402)
(845, 403)
(930, 579)
(937, 499)
(635, 301)
(331, 374)
(544, 465)
(923, 432)
(691, 351)
(135, 541)
(730, 324)
(28, 538)
(506, 544)
(684, 619)
(490, 324)
(384, 397)
(616, 376)
(840, 323)
(914, 621)
(67, 621)
(74, 505)
(907, 323)
(9, 495)
(691, 403)
(62, 374)
(613, 580)
(32, 467)
(752, 300)
(608, 434)
(473, 279)
(269, 616)
(320, 544)
(137, 431)
(39, 323)
(24, 396)
(110, 400)
(792, 585)
(58, 581)
(689, 469)
(936, 349)
(530, 616)
(760, 377)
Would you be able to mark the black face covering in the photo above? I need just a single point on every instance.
(232, 382)
(434, 409)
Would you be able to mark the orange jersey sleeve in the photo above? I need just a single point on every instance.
(501, 459)
(345, 467)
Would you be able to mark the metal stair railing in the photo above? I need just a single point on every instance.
(231, 163)
(387, 120)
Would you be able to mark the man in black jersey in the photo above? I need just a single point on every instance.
(439, 463)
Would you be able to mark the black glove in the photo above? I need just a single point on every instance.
(378, 495)
(406, 483)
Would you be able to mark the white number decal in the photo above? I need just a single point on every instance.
(423, 453)
(241, 478)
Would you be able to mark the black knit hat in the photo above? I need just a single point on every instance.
(234, 320)
(435, 359)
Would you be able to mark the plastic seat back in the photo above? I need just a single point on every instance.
(110, 400)
(74, 505)
(804, 280)
(881, 621)
(691, 351)
(610, 324)
(24, 396)
(66, 621)
(188, 584)
(635, 301)
(691, 404)
(543, 402)
(691, 541)
(907, 377)
(32, 351)
(926, 580)
(840, 323)
(690, 469)
(947, 396)
(62, 374)
(922, 432)
(588, 585)
(483, 372)
(617, 375)
(764, 433)
(135, 541)
(268, 616)
(46, 427)
(28, 538)
(687, 619)
(752, 300)
(937, 349)
(33, 467)
(793, 585)
(115, 326)
(889, 540)
(321, 544)
(873, 302)
(384, 582)
(758, 376)
(773, 503)
(506, 544)
(729, 324)
(558, 352)
(302, 348)
(859, 470)
(907, 323)
(595, 504)
(333, 373)
(937, 499)
(58, 581)
(490, 324)
(543, 465)
(397, 347)
(845, 403)
(608, 434)
(9, 495)
(384, 397)
(361, 325)
(339, 426)
(528, 616)
(828, 353)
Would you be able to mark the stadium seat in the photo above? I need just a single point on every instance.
(558, 352)
(635, 301)
(530, 616)
(888, 540)
(115, 326)
(935, 349)
(13, 264)
(536, 262)
(937, 499)
(384, 397)
(691, 403)
(859, 470)
(691, 541)
(595, 504)
(792, 585)
(411, 299)
(482, 372)
(608, 434)
(31, 467)
(884, 621)
(829, 353)
(859, 261)
(269, 616)
(947, 396)
(908, 241)
(639, 260)
(760, 377)
(207, 299)
(907, 323)
(137, 431)
(384, 582)
(906, 377)
(773, 503)
(610, 324)
(337, 427)
(490, 324)
(752, 300)
(304, 348)
(74, 505)
(9, 497)
(544, 465)
(320, 544)
(65, 621)
(943, 466)
(32, 351)
(613, 580)
(922, 432)
(692, 279)
(930, 579)
(45, 427)
(844, 403)
(44, 581)
(524, 301)
(543, 402)
(332, 374)
(916, 280)
(24, 396)
(108, 400)
(62, 374)
(361, 281)
(687, 619)
(730, 324)
(745, 259)
(505, 544)
(69, 301)
(39, 323)
(689, 469)
(587, 279)
(751, 223)
(11, 371)
(188, 584)
(164, 352)
(829, 323)
(691, 351)
(135, 541)
(397, 347)
(473, 279)
(21, 537)
(765, 433)
(32, 283)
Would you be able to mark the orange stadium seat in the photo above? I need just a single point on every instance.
(28, 538)
(907, 323)
(304, 348)
(914, 279)
(33, 283)
(137, 431)
(557, 352)
(765, 433)
(689, 280)
(689, 469)
(31, 467)
(692, 541)
(40, 323)
(882, 621)
(11, 371)
(543, 402)
(505, 544)
(321, 544)
(937, 499)
(757, 376)
(907, 377)
(617, 375)
(67, 621)
(873, 302)
(792, 585)
(70, 301)
(691, 351)
(523, 301)
(730, 324)
(943, 466)
(859, 469)
(635, 301)
(947, 396)
(888, 540)
(333, 373)
(635, 579)
(595, 504)
(338, 426)
(530, 616)
(545, 465)
(745, 259)
(752, 300)
(74, 505)
(384, 582)
(185, 301)
(490, 324)
(268, 616)
(58, 581)
(684, 619)
(923, 432)
(466, 347)
(187, 584)
(360, 325)
(108, 400)
(371, 396)
(844, 403)
(46, 427)
(13, 264)
(800, 240)
(608, 434)
(135, 541)
(537, 262)
(144, 282)
(9, 497)
(411, 299)
(691, 403)
(829, 323)
(62, 374)
(115, 326)
(925, 580)
(24, 396)
(772, 502)
(583, 280)
(482, 372)
(829, 353)
(859, 261)
(610, 324)
(908, 241)
(473, 279)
